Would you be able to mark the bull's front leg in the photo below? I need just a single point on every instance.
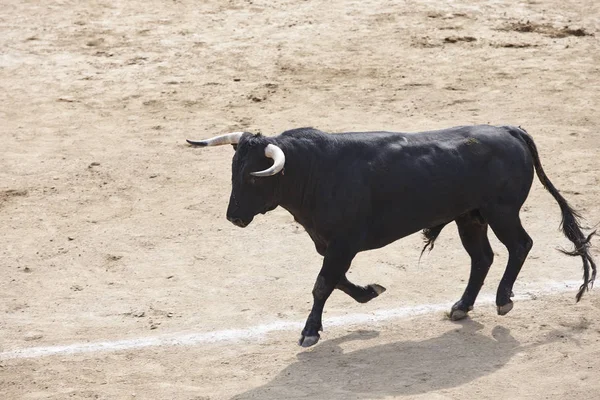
(362, 294)
(336, 262)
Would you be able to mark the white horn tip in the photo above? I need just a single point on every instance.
(278, 156)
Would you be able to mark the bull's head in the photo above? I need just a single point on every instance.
(252, 191)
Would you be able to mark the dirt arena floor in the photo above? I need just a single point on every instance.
(114, 239)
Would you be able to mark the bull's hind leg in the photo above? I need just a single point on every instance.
(362, 294)
(473, 234)
(507, 227)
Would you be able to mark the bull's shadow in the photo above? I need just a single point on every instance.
(402, 368)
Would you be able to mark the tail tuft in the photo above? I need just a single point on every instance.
(429, 235)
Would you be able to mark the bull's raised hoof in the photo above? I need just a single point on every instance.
(307, 341)
(459, 311)
(503, 310)
(377, 288)
(371, 291)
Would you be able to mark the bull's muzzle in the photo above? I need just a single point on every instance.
(238, 222)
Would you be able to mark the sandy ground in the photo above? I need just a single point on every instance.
(113, 228)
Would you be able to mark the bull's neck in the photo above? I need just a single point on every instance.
(299, 181)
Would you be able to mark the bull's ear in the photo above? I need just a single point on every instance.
(234, 147)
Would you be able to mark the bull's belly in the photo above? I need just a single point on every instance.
(389, 228)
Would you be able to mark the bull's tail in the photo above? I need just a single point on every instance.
(570, 224)
(430, 234)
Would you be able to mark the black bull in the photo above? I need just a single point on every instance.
(363, 190)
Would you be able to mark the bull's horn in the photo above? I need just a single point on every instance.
(274, 152)
(228, 138)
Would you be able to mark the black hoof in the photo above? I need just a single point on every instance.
(459, 311)
(371, 291)
(503, 310)
(309, 337)
(307, 341)
(457, 315)
(378, 289)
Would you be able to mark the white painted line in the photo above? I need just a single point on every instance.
(259, 331)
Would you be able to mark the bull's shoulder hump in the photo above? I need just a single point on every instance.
(302, 132)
